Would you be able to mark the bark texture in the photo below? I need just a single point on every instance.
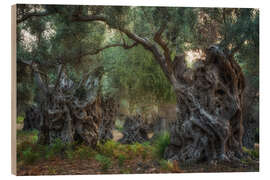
(32, 119)
(209, 99)
(70, 112)
(134, 130)
(109, 110)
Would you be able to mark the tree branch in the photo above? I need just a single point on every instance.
(34, 14)
(163, 45)
(60, 70)
(125, 46)
(144, 42)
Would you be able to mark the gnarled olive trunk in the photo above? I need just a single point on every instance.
(109, 110)
(70, 112)
(209, 100)
(134, 130)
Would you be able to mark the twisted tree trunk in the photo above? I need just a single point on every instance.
(109, 110)
(68, 112)
(209, 99)
(134, 130)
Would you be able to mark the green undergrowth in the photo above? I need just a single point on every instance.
(254, 153)
(107, 155)
(160, 144)
(20, 119)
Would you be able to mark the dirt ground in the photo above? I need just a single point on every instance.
(138, 166)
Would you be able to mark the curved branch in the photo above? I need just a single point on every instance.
(125, 46)
(163, 45)
(60, 70)
(165, 65)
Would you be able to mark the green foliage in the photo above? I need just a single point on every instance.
(135, 73)
(104, 161)
(27, 136)
(83, 152)
(58, 146)
(28, 156)
(254, 153)
(165, 165)
(19, 119)
(160, 144)
(121, 159)
(108, 148)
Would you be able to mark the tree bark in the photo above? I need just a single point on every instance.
(32, 119)
(134, 130)
(109, 110)
(209, 98)
(70, 113)
(209, 124)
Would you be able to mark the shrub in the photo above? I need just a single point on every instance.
(83, 152)
(27, 136)
(160, 144)
(109, 148)
(35, 138)
(255, 153)
(121, 159)
(28, 156)
(29, 153)
(58, 147)
(104, 161)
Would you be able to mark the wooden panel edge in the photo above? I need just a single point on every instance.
(13, 91)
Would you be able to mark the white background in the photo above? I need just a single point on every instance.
(5, 85)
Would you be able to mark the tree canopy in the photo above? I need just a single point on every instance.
(83, 38)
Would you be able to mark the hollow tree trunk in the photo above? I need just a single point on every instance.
(209, 112)
(68, 113)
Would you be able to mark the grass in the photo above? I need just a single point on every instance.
(160, 144)
(27, 136)
(104, 161)
(29, 152)
(109, 157)
(254, 153)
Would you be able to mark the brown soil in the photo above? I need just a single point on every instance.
(60, 166)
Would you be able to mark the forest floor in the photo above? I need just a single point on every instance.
(109, 158)
(60, 166)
